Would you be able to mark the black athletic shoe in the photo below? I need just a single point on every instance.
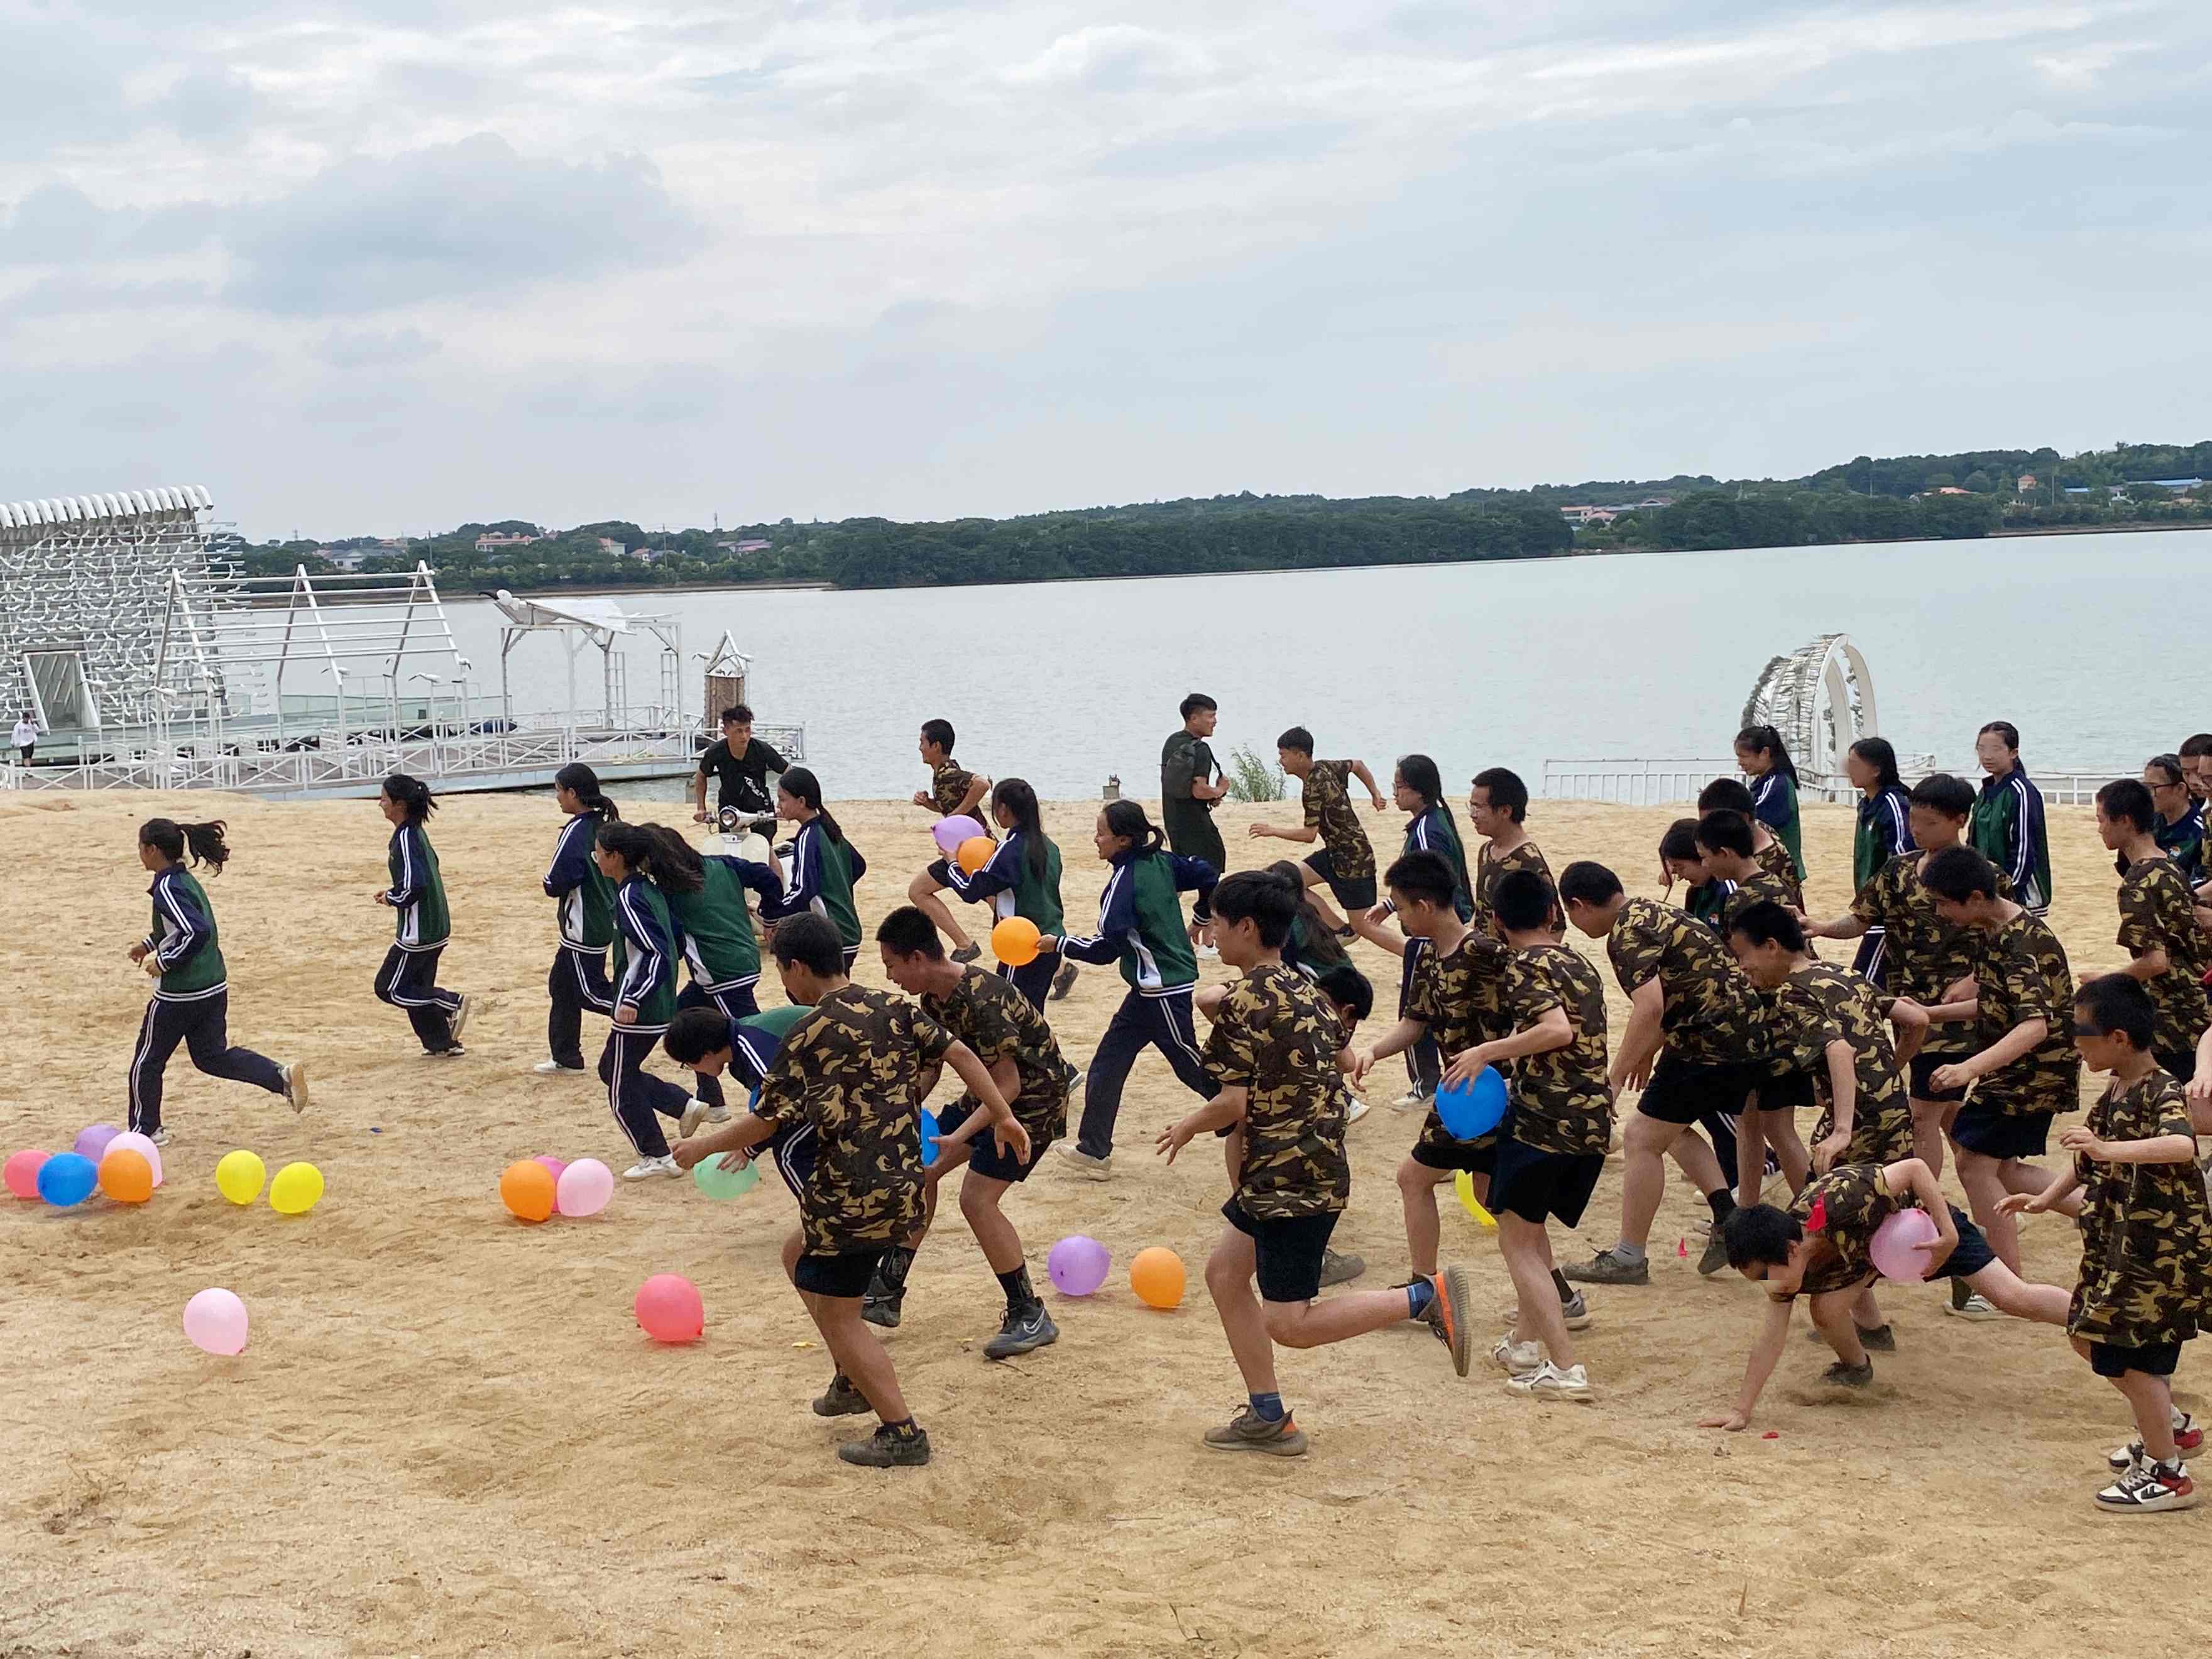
(968, 952)
(1030, 1328)
(1849, 1376)
(888, 1449)
(1063, 982)
(841, 1399)
(880, 1304)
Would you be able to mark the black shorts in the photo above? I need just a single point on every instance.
(1538, 1186)
(1682, 1090)
(984, 1157)
(940, 871)
(1352, 892)
(1439, 1149)
(1286, 1253)
(846, 1273)
(1786, 1092)
(2179, 1067)
(1925, 1067)
(1994, 1134)
(2154, 1359)
(1973, 1253)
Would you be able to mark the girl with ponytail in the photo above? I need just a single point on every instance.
(824, 865)
(585, 907)
(408, 977)
(644, 1002)
(713, 930)
(1765, 760)
(1021, 880)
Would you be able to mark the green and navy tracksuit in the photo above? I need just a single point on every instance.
(409, 978)
(2008, 831)
(1432, 831)
(820, 878)
(1012, 888)
(1774, 803)
(714, 934)
(1140, 926)
(587, 911)
(1885, 829)
(644, 979)
(191, 1003)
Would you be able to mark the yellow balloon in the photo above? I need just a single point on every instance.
(296, 1190)
(239, 1176)
(1464, 1185)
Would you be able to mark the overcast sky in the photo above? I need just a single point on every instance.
(386, 266)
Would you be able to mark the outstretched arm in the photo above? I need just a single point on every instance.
(1765, 1355)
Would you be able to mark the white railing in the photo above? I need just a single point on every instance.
(1662, 782)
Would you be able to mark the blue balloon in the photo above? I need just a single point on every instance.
(65, 1179)
(928, 1138)
(1470, 1110)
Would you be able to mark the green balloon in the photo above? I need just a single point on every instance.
(711, 1178)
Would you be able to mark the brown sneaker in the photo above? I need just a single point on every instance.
(1450, 1315)
(1248, 1432)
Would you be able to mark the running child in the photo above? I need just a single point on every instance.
(645, 1003)
(1552, 1146)
(1140, 927)
(1274, 1054)
(1694, 1024)
(1885, 829)
(2009, 828)
(408, 977)
(1765, 760)
(1005, 1030)
(1820, 1248)
(2025, 1071)
(586, 909)
(2146, 1240)
(851, 1072)
(1729, 795)
(2158, 926)
(191, 1003)
(953, 793)
(1346, 860)
(1417, 788)
(1021, 880)
(824, 866)
(1498, 806)
(711, 928)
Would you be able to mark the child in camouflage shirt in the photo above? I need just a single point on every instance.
(1275, 1051)
(954, 792)
(2146, 1240)
(1345, 863)
(2168, 951)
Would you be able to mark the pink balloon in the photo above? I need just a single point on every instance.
(145, 1149)
(583, 1188)
(23, 1168)
(92, 1140)
(1893, 1247)
(553, 1166)
(669, 1308)
(949, 833)
(1077, 1264)
(215, 1321)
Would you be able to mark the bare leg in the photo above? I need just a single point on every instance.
(1928, 1121)
(1312, 878)
(1750, 1156)
(1229, 1272)
(853, 1344)
(1417, 1188)
(1984, 1179)
(1780, 1131)
(2020, 1177)
(1831, 1317)
(2151, 1399)
(1865, 1314)
(1313, 1324)
(980, 1197)
(2008, 1292)
(1527, 1249)
(1643, 1178)
(921, 892)
(1698, 1163)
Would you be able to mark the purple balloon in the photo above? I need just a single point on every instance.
(950, 832)
(1077, 1264)
(92, 1142)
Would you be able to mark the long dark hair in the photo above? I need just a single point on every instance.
(1880, 754)
(672, 862)
(1422, 777)
(579, 780)
(1127, 818)
(1020, 804)
(1320, 948)
(629, 843)
(1765, 740)
(170, 839)
(802, 785)
(412, 794)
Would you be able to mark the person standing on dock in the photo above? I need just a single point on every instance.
(744, 770)
(26, 738)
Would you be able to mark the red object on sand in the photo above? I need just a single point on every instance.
(1682, 1249)
(1772, 1434)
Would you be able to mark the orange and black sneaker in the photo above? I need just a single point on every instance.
(1248, 1432)
(1447, 1314)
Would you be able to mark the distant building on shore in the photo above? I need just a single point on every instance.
(495, 541)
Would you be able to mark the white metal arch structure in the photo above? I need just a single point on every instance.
(84, 585)
(1821, 699)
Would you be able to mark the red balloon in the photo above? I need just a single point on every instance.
(669, 1308)
(23, 1171)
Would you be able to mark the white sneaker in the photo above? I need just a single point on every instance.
(1574, 1313)
(555, 1068)
(1357, 1110)
(646, 1168)
(1974, 1306)
(459, 1019)
(718, 1114)
(295, 1085)
(1517, 1358)
(160, 1137)
(1090, 1168)
(1411, 1100)
(695, 1114)
(1207, 953)
(1548, 1382)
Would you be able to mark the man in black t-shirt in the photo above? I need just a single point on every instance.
(742, 767)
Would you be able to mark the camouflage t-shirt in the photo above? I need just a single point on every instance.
(1461, 996)
(851, 1069)
(1774, 859)
(1820, 1004)
(2157, 914)
(2023, 976)
(1754, 888)
(2146, 1234)
(1561, 1100)
(985, 1012)
(1327, 802)
(1710, 1015)
(949, 783)
(1277, 1038)
(1489, 866)
(1923, 954)
(1854, 1201)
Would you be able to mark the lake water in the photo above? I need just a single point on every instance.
(2082, 641)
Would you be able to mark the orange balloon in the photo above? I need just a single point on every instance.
(1014, 941)
(126, 1176)
(526, 1190)
(1157, 1277)
(975, 853)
